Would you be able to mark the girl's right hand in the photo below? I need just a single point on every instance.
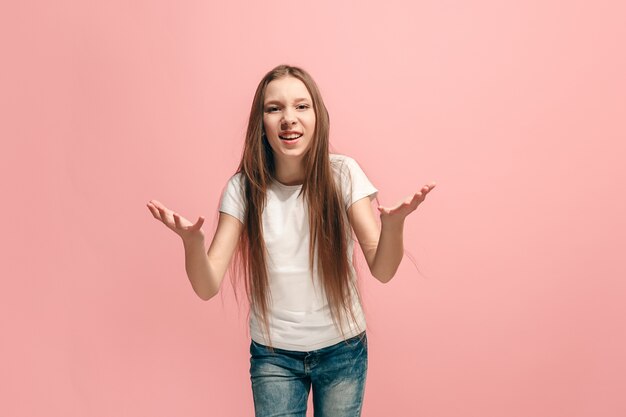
(180, 225)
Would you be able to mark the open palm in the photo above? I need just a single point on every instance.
(180, 225)
(406, 207)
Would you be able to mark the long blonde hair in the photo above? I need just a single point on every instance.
(329, 228)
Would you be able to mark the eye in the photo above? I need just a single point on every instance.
(303, 106)
(271, 109)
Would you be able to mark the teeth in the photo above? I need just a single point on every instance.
(292, 136)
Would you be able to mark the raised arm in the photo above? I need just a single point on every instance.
(383, 245)
(205, 270)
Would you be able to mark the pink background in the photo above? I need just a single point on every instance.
(516, 109)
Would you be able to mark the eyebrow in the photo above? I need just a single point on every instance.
(279, 102)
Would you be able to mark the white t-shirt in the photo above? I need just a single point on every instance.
(299, 315)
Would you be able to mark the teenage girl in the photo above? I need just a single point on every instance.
(287, 217)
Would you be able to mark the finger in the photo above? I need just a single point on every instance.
(161, 214)
(157, 204)
(153, 210)
(413, 201)
(428, 188)
(199, 223)
(196, 225)
(410, 204)
(177, 221)
(166, 216)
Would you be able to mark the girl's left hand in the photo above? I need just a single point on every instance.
(403, 209)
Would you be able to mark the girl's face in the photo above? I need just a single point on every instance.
(288, 117)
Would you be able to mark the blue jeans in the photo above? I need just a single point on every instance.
(281, 380)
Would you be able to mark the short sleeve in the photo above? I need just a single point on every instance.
(232, 200)
(355, 184)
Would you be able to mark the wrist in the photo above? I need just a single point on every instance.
(392, 223)
(191, 241)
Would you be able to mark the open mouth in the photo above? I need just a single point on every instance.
(291, 137)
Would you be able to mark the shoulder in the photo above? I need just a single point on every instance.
(336, 158)
(342, 163)
(233, 199)
(236, 180)
(353, 180)
(235, 186)
(345, 165)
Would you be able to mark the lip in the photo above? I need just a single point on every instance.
(289, 132)
(292, 141)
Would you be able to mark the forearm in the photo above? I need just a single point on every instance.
(199, 271)
(389, 251)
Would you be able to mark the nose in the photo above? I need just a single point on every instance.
(288, 118)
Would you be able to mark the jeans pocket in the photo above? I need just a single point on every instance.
(362, 340)
(256, 348)
(358, 340)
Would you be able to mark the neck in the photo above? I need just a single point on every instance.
(290, 172)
